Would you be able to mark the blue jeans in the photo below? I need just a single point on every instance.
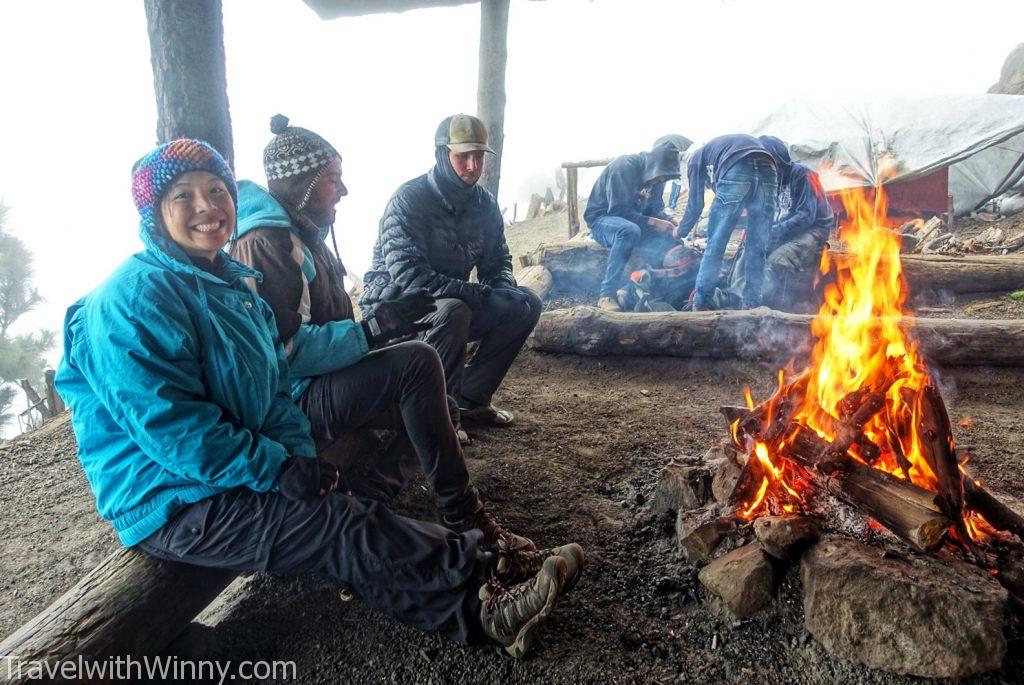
(621, 236)
(749, 184)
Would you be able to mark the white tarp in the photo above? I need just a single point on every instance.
(980, 137)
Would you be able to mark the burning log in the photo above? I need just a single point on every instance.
(995, 512)
(912, 513)
(759, 334)
(937, 449)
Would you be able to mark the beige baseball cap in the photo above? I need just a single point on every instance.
(462, 133)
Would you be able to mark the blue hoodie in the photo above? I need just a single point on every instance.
(809, 210)
(707, 165)
(178, 387)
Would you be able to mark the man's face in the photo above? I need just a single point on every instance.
(326, 195)
(468, 165)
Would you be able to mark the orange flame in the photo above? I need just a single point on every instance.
(862, 344)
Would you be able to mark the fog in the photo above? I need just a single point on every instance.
(585, 79)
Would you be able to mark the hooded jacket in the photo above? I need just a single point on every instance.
(808, 209)
(624, 188)
(707, 165)
(303, 284)
(434, 231)
(178, 387)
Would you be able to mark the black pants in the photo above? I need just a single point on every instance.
(500, 326)
(400, 387)
(421, 573)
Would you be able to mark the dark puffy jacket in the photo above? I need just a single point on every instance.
(425, 242)
(617, 192)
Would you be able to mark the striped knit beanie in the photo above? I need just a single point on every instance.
(153, 174)
(294, 160)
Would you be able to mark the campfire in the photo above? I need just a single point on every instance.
(851, 469)
(865, 422)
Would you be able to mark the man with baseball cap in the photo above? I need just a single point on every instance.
(435, 230)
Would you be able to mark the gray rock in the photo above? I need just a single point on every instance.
(726, 469)
(781, 536)
(700, 531)
(916, 615)
(681, 487)
(743, 578)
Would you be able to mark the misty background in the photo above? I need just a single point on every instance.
(585, 79)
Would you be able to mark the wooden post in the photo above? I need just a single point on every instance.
(571, 198)
(490, 92)
(34, 400)
(186, 45)
(951, 223)
(53, 401)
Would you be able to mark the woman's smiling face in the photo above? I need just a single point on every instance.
(198, 213)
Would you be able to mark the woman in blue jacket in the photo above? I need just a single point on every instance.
(195, 452)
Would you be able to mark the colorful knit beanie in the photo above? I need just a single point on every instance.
(153, 174)
(294, 160)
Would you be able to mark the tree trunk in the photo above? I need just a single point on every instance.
(186, 43)
(130, 605)
(759, 334)
(490, 93)
(581, 267)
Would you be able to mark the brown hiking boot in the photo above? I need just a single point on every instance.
(482, 518)
(609, 304)
(512, 615)
(515, 564)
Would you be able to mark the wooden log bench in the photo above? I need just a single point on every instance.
(580, 266)
(759, 334)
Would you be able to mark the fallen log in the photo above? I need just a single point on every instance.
(130, 605)
(133, 604)
(759, 334)
(537, 278)
(581, 266)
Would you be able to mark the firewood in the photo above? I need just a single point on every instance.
(995, 512)
(937, 449)
(912, 513)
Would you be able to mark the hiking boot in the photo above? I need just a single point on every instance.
(609, 304)
(512, 615)
(494, 533)
(516, 564)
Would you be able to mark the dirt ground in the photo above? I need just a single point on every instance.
(579, 465)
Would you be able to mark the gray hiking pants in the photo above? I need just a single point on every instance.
(421, 573)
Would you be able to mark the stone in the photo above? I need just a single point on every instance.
(726, 469)
(699, 532)
(743, 579)
(914, 614)
(681, 487)
(781, 536)
(1011, 573)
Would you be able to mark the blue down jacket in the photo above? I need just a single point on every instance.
(432, 239)
(178, 388)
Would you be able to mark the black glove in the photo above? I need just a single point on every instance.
(399, 317)
(303, 478)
